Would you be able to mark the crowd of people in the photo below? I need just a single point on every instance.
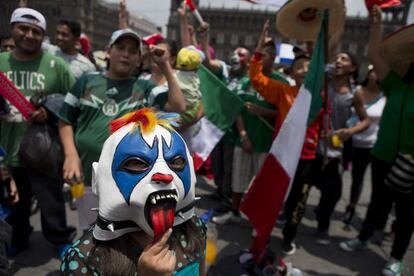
(131, 224)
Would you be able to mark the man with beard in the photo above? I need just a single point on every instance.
(33, 71)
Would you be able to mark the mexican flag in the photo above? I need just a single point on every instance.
(276, 3)
(271, 185)
(221, 108)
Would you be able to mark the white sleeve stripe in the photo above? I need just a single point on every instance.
(71, 100)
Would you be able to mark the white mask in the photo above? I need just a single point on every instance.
(144, 180)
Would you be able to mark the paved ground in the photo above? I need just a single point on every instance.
(311, 258)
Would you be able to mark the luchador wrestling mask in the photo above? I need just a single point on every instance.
(144, 178)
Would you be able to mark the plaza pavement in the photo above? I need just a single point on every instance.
(311, 258)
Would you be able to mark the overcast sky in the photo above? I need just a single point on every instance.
(158, 10)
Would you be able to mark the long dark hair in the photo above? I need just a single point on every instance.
(354, 61)
(117, 257)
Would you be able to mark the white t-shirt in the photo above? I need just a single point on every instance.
(367, 138)
(77, 63)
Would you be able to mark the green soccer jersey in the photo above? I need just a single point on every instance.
(93, 103)
(396, 131)
(46, 73)
(259, 132)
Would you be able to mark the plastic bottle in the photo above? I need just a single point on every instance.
(336, 142)
(77, 190)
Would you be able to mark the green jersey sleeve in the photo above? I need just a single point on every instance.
(156, 96)
(71, 107)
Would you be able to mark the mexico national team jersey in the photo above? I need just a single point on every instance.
(93, 103)
(47, 74)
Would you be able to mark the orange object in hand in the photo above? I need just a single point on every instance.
(77, 190)
(336, 142)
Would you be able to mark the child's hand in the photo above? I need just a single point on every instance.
(159, 56)
(13, 193)
(263, 36)
(375, 16)
(157, 259)
(254, 109)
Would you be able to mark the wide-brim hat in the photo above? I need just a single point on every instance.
(301, 19)
(397, 49)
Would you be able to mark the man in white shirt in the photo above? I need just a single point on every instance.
(67, 36)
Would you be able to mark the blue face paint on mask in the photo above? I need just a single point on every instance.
(132, 145)
(178, 148)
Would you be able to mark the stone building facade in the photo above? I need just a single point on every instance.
(97, 17)
(233, 27)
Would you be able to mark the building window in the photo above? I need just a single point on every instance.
(173, 34)
(365, 50)
(248, 40)
(220, 38)
(234, 39)
(353, 48)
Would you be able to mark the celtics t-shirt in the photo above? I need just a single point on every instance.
(259, 133)
(93, 103)
(47, 74)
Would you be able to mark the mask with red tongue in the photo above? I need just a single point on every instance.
(144, 178)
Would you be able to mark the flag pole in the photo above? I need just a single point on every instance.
(326, 97)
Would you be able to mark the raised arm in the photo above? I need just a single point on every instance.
(175, 95)
(123, 15)
(184, 27)
(270, 89)
(204, 34)
(381, 67)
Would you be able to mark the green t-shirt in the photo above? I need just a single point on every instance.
(93, 103)
(396, 132)
(259, 133)
(46, 73)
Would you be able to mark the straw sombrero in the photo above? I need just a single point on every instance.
(299, 19)
(397, 49)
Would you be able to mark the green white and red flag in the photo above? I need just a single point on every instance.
(269, 189)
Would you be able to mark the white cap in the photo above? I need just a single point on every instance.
(122, 33)
(31, 16)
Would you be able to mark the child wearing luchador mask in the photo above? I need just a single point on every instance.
(146, 222)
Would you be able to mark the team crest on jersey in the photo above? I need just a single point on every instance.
(110, 108)
(112, 92)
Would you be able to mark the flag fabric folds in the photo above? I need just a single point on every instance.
(268, 191)
(221, 108)
(284, 54)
